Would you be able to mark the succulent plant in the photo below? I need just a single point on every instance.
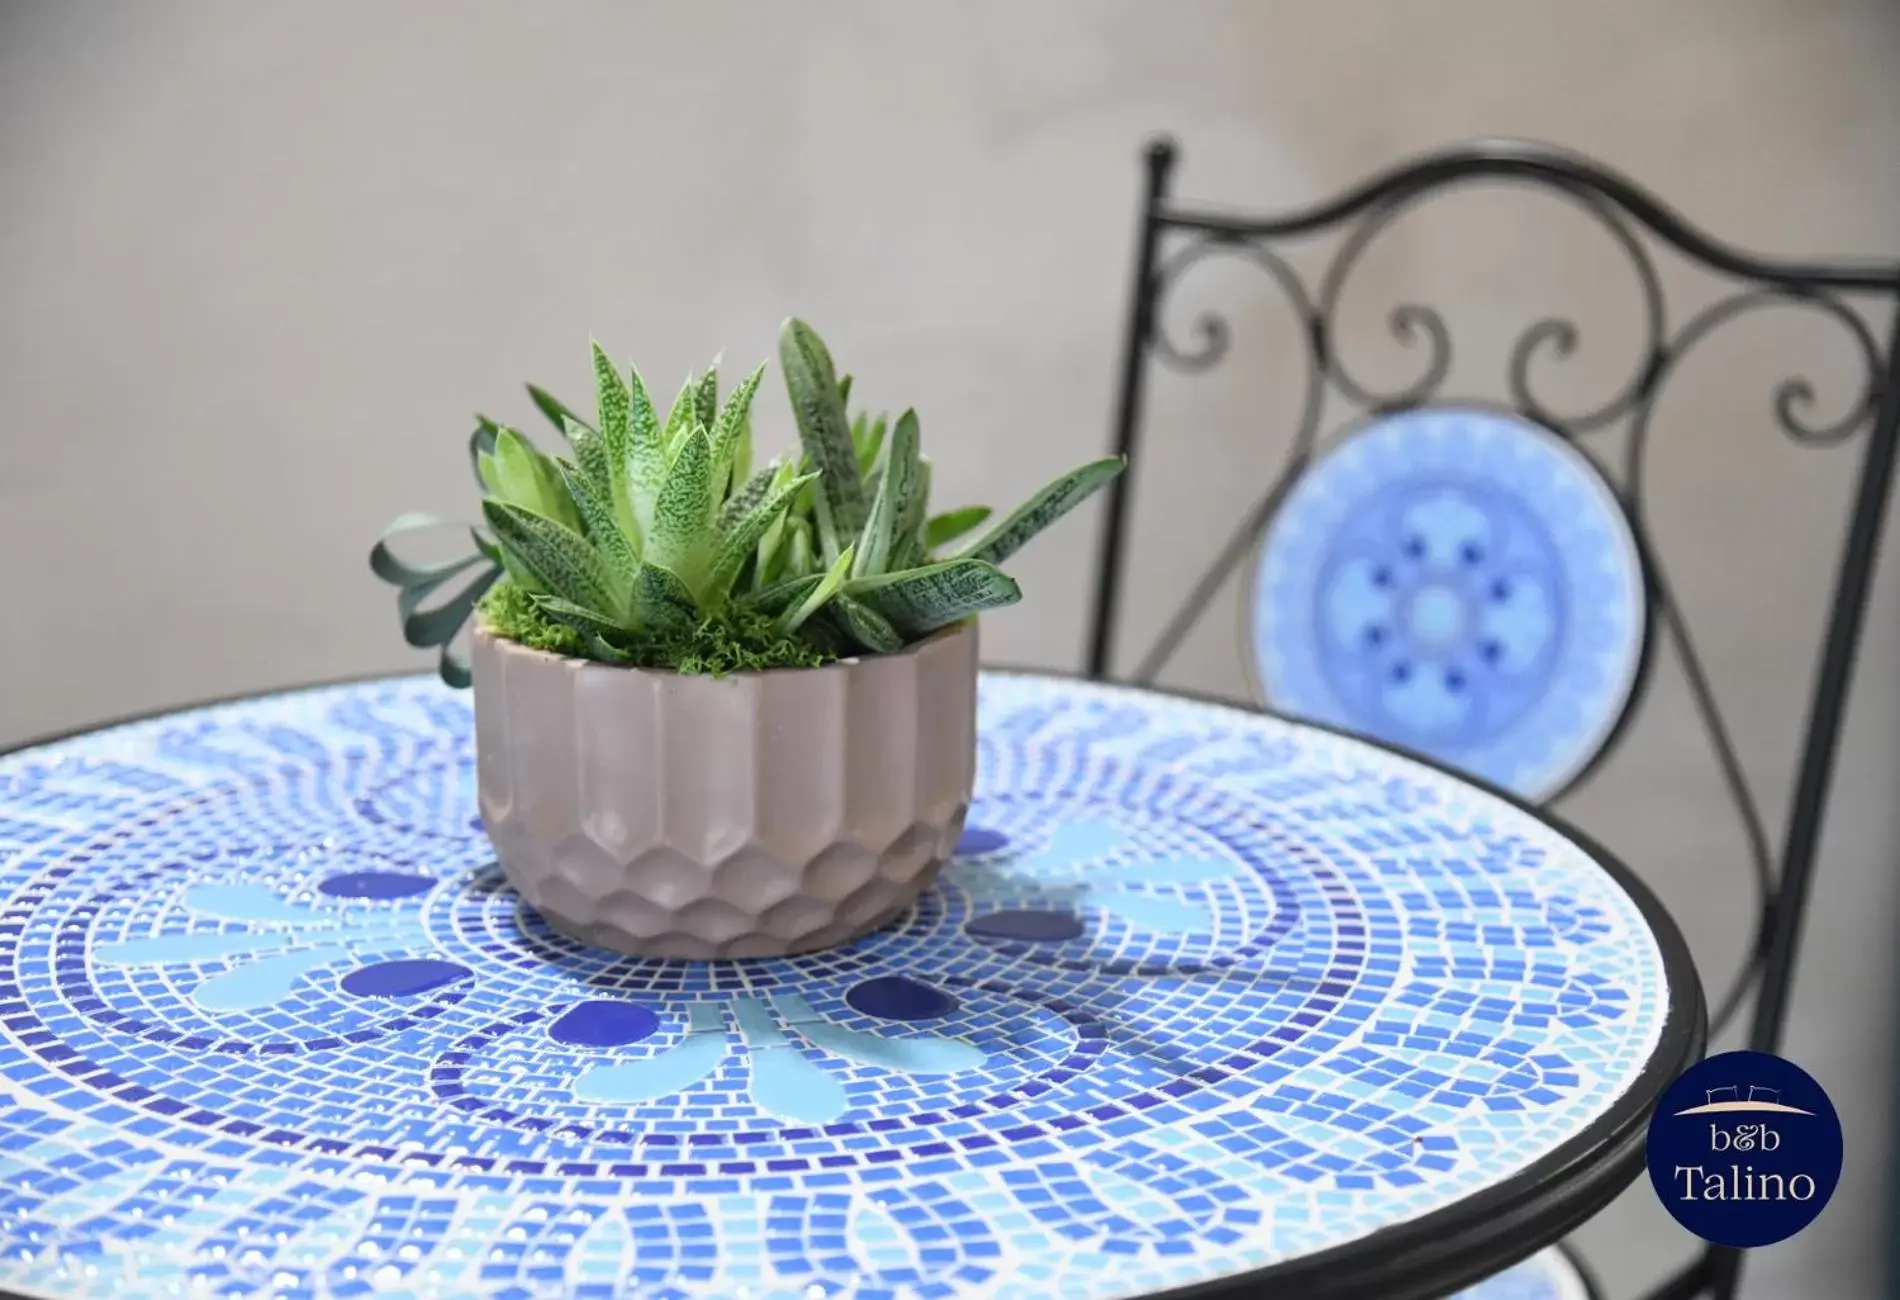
(656, 539)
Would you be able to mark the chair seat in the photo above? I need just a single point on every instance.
(1547, 1275)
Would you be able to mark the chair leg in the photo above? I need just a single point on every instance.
(1714, 1275)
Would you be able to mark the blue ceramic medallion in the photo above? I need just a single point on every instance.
(271, 1023)
(1460, 582)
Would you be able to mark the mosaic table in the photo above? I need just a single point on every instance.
(1206, 998)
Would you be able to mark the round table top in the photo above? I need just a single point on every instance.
(1207, 997)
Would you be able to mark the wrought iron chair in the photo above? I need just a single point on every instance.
(1466, 580)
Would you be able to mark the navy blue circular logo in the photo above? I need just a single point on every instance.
(1745, 1149)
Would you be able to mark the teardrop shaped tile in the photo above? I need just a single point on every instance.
(1039, 925)
(403, 978)
(376, 884)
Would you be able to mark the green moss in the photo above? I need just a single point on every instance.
(730, 643)
(508, 612)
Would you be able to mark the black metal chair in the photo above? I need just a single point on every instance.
(1426, 619)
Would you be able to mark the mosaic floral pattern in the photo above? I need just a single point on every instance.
(1460, 582)
(1203, 992)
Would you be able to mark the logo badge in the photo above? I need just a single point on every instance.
(1745, 1149)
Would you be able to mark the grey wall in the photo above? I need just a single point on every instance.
(258, 261)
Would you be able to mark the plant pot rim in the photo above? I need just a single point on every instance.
(480, 628)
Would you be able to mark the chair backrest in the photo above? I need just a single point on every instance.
(1426, 521)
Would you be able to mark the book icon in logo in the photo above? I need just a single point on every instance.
(1729, 1100)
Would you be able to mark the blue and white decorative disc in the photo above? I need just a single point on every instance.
(1460, 582)
(1205, 992)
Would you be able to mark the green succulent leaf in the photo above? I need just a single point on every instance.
(596, 463)
(907, 547)
(680, 418)
(781, 596)
(582, 620)
(895, 489)
(952, 524)
(384, 564)
(682, 535)
(736, 546)
(526, 478)
(844, 390)
(801, 556)
(864, 625)
(1054, 501)
(839, 504)
(869, 443)
(729, 426)
(559, 559)
(606, 651)
(742, 451)
(662, 601)
(439, 626)
(748, 495)
(612, 397)
(601, 528)
(827, 587)
(481, 443)
(641, 468)
(706, 397)
(556, 411)
(919, 601)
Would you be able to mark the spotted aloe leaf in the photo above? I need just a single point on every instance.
(736, 545)
(907, 545)
(896, 487)
(863, 625)
(682, 537)
(596, 466)
(728, 427)
(706, 397)
(1055, 500)
(585, 621)
(839, 505)
(662, 600)
(680, 418)
(639, 476)
(559, 559)
(600, 526)
(919, 601)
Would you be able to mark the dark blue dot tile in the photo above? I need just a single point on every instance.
(980, 839)
(1038, 924)
(376, 884)
(396, 979)
(604, 1023)
(897, 997)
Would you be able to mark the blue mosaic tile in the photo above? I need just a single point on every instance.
(1458, 581)
(1202, 992)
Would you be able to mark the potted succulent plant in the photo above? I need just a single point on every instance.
(719, 711)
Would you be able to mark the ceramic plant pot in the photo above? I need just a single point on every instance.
(666, 815)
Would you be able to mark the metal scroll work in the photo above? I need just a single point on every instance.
(1175, 238)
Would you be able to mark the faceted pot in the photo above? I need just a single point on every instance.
(666, 815)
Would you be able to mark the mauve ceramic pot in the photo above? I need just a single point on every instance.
(666, 815)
